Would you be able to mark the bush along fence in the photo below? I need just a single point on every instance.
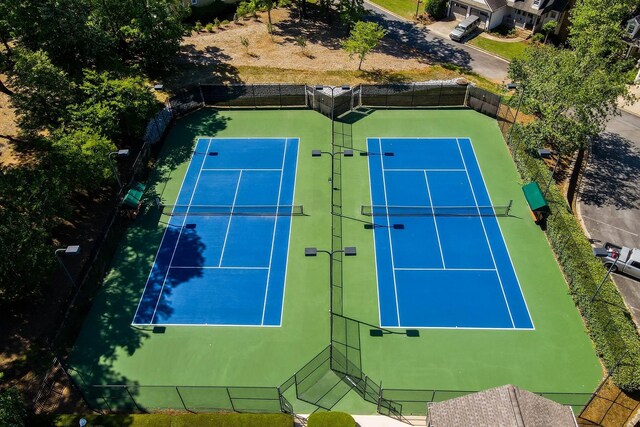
(607, 318)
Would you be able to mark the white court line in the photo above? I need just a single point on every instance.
(293, 198)
(375, 249)
(273, 236)
(219, 268)
(386, 203)
(184, 220)
(443, 269)
(484, 183)
(458, 328)
(435, 223)
(184, 178)
(421, 170)
(242, 169)
(224, 244)
(504, 295)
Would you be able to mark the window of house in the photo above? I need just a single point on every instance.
(631, 27)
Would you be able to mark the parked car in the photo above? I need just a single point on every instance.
(622, 259)
(464, 28)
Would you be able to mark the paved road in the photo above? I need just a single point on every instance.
(609, 198)
(435, 47)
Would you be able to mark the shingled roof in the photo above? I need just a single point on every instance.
(506, 406)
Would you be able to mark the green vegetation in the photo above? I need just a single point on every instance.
(12, 411)
(404, 8)
(508, 49)
(364, 37)
(608, 321)
(331, 419)
(571, 92)
(183, 420)
(437, 9)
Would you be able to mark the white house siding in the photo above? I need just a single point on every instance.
(497, 17)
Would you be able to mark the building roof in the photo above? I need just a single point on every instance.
(506, 406)
(548, 5)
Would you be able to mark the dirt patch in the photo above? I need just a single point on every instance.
(8, 130)
(220, 57)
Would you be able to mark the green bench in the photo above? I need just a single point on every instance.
(132, 200)
(537, 202)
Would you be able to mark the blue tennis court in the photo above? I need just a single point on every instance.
(447, 267)
(223, 256)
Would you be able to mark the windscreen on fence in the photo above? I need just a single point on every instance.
(483, 101)
(413, 95)
(185, 101)
(258, 95)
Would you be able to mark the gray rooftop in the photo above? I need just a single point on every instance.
(506, 406)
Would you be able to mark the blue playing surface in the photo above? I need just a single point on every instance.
(439, 271)
(225, 270)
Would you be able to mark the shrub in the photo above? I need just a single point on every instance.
(537, 38)
(225, 22)
(436, 8)
(607, 319)
(331, 419)
(197, 27)
(209, 27)
(216, 23)
(12, 411)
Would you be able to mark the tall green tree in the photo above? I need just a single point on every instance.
(42, 91)
(31, 201)
(82, 156)
(570, 95)
(597, 27)
(436, 8)
(364, 37)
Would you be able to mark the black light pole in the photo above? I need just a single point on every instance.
(119, 154)
(546, 154)
(602, 253)
(348, 251)
(512, 86)
(417, 8)
(69, 250)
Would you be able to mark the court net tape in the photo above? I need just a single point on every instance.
(241, 210)
(382, 210)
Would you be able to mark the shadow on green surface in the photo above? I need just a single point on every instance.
(107, 330)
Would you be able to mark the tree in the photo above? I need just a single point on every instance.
(265, 4)
(548, 28)
(570, 95)
(31, 201)
(42, 91)
(83, 157)
(350, 11)
(596, 28)
(436, 8)
(364, 37)
(12, 412)
(116, 107)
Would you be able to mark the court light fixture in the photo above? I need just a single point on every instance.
(511, 86)
(348, 251)
(544, 153)
(319, 153)
(379, 332)
(120, 154)
(71, 250)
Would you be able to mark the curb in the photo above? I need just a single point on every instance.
(633, 113)
(444, 36)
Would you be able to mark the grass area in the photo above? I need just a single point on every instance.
(182, 420)
(557, 356)
(404, 8)
(506, 50)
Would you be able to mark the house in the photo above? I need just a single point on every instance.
(526, 14)
(632, 36)
(506, 406)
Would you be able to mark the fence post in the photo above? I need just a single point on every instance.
(280, 94)
(201, 94)
(126, 387)
(233, 408)
(182, 400)
(413, 91)
(465, 103)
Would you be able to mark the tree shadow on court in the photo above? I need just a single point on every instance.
(107, 334)
(611, 177)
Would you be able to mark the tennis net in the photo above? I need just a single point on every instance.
(224, 210)
(382, 210)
